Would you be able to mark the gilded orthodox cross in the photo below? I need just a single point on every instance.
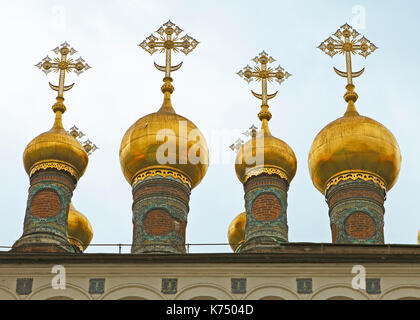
(64, 65)
(347, 41)
(264, 74)
(169, 41)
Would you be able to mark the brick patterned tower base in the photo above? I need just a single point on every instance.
(266, 214)
(356, 210)
(45, 226)
(160, 210)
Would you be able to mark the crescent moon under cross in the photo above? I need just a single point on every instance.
(56, 88)
(259, 96)
(163, 68)
(353, 74)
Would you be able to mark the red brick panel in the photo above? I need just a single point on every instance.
(263, 180)
(49, 177)
(266, 207)
(359, 193)
(161, 189)
(46, 203)
(158, 222)
(360, 226)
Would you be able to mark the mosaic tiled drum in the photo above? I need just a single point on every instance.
(266, 219)
(160, 210)
(45, 226)
(356, 210)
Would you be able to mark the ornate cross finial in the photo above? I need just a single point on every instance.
(347, 41)
(169, 34)
(64, 65)
(87, 145)
(263, 73)
(251, 132)
(169, 41)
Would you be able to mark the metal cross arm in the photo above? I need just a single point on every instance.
(63, 65)
(237, 145)
(264, 74)
(347, 41)
(169, 41)
(87, 145)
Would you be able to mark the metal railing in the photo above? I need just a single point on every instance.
(121, 245)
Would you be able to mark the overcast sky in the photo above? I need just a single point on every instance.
(123, 86)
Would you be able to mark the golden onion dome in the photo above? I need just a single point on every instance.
(79, 229)
(164, 130)
(276, 155)
(56, 145)
(418, 238)
(236, 232)
(354, 143)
